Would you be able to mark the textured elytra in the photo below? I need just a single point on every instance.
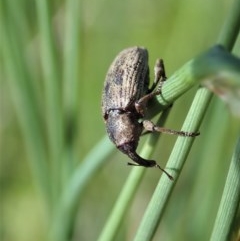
(127, 79)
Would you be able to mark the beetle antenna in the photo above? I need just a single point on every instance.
(169, 176)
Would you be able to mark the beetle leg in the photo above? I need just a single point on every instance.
(140, 105)
(159, 74)
(160, 77)
(149, 126)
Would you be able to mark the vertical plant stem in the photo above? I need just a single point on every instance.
(22, 92)
(52, 83)
(231, 27)
(68, 203)
(71, 66)
(230, 200)
(176, 161)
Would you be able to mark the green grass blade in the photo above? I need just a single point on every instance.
(52, 82)
(68, 203)
(20, 83)
(155, 209)
(231, 27)
(71, 79)
(230, 200)
(215, 62)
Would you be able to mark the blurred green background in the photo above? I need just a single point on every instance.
(51, 84)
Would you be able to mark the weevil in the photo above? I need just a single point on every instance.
(125, 98)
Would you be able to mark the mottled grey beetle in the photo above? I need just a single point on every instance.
(125, 97)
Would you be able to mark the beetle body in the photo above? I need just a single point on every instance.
(125, 96)
(126, 82)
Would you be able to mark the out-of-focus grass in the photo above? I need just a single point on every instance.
(54, 57)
